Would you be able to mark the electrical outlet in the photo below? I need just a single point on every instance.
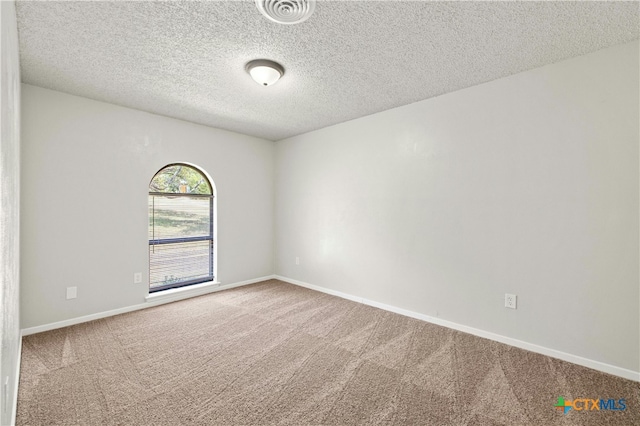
(137, 278)
(510, 300)
(72, 292)
(297, 260)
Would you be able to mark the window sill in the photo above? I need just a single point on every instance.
(182, 292)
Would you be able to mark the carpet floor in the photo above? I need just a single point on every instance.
(276, 354)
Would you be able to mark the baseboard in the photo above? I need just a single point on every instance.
(575, 359)
(14, 408)
(170, 297)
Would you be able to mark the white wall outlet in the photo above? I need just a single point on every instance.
(72, 292)
(297, 260)
(137, 278)
(510, 300)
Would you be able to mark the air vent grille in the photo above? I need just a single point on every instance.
(286, 11)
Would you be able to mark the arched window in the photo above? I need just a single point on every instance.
(181, 228)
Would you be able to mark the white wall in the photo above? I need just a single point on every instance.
(86, 168)
(9, 210)
(526, 185)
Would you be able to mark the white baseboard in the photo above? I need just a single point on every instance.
(575, 359)
(14, 408)
(160, 299)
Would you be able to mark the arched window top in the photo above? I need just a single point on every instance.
(180, 179)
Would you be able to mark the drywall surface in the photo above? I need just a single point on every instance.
(86, 167)
(525, 185)
(9, 210)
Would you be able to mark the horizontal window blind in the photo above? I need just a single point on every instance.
(179, 263)
(180, 240)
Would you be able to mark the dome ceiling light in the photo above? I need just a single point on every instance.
(264, 72)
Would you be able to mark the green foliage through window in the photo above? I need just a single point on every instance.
(180, 179)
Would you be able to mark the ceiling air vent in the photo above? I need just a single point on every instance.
(286, 11)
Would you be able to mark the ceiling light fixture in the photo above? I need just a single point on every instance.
(286, 11)
(265, 72)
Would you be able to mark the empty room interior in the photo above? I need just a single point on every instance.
(300, 212)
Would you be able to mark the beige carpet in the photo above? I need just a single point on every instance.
(273, 353)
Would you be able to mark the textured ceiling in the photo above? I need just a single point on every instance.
(350, 59)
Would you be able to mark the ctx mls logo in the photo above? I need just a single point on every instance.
(587, 404)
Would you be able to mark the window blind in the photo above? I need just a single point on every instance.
(180, 240)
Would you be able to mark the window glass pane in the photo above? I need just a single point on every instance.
(179, 217)
(180, 179)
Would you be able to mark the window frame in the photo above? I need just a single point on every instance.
(211, 237)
